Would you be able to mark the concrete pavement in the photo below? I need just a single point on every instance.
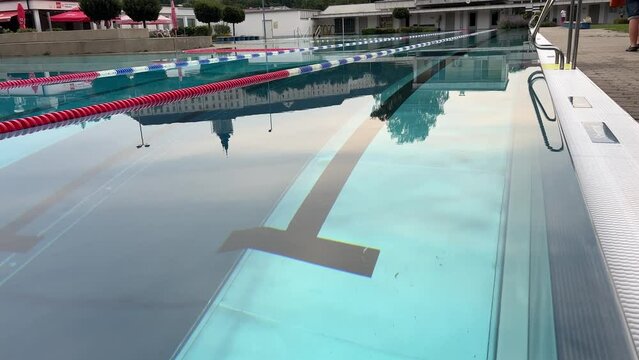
(603, 59)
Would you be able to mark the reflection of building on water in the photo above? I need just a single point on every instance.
(484, 72)
(242, 98)
(224, 130)
(416, 102)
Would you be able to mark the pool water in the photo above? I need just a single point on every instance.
(393, 209)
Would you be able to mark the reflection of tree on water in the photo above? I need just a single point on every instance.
(414, 124)
(416, 119)
(377, 74)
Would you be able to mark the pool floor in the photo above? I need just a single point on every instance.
(432, 208)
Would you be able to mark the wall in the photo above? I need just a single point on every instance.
(483, 19)
(79, 35)
(285, 23)
(100, 46)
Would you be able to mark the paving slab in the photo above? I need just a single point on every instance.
(602, 57)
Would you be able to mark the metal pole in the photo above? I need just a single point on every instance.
(143, 144)
(264, 25)
(343, 42)
(571, 15)
(49, 20)
(577, 27)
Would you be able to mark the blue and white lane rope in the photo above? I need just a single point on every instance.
(92, 75)
(120, 106)
(221, 59)
(372, 55)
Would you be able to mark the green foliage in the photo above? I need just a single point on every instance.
(376, 31)
(221, 29)
(202, 31)
(207, 11)
(409, 29)
(26, 30)
(611, 27)
(416, 29)
(101, 10)
(186, 31)
(57, 29)
(298, 4)
(621, 21)
(402, 13)
(233, 15)
(142, 10)
(514, 23)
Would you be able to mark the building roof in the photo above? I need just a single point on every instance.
(277, 9)
(349, 9)
(354, 10)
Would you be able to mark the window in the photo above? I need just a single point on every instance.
(386, 21)
(494, 17)
(472, 19)
(349, 25)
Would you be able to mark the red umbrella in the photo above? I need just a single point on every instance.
(174, 20)
(21, 18)
(7, 15)
(74, 15)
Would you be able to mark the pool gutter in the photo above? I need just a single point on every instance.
(603, 141)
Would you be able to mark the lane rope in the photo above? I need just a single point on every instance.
(92, 75)
(145, 101)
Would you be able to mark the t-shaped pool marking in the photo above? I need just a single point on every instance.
(11, 241)
(120, 106)
(300, 240)
(92, 75)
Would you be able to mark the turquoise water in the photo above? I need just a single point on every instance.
(409, 190)
(432, 290)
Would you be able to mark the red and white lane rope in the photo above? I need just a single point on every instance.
(92, 75)
(161, 98)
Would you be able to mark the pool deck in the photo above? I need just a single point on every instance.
(602, 57)
(607, 170)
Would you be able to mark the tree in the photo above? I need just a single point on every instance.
(207, 11)
(142, 10)
(402, 13)
(233, 15)
(101, 10)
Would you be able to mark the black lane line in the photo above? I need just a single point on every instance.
(12, 241)
(300, 240)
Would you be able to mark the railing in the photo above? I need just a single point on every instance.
(539, 17)
(576, 23)
(540, 110)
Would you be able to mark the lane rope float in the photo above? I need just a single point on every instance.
(145, 101)
(92, 75)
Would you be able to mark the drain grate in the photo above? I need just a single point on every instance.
(600, 133)
(579, 102)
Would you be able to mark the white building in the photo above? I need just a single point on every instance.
(37, 12)
(185, 16)
(442, 14)
(280, 22)
(286, 22)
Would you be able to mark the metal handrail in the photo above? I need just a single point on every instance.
(540, 110)
(559, 55)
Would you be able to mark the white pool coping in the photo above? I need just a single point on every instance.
(608, 175)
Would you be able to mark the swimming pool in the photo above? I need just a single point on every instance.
(401, 208)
